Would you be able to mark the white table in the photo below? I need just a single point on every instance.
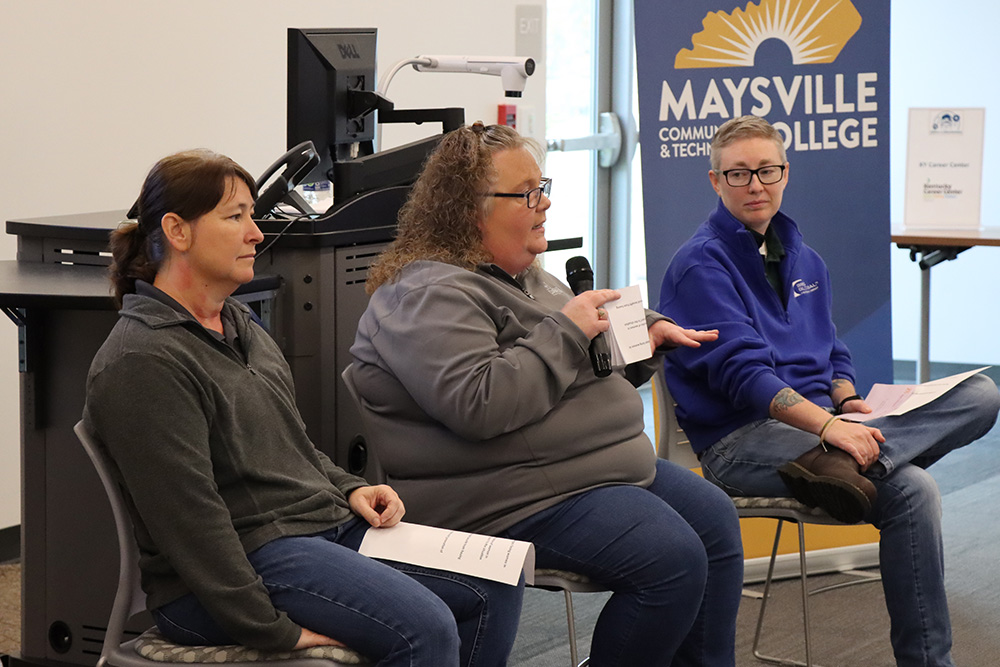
(933, 247)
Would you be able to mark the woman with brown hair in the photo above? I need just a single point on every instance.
(247, 533)
(488, 416)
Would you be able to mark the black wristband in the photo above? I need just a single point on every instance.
(840, 406)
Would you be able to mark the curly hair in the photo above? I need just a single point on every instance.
(440, 219)
(190, 184)
(744, 127)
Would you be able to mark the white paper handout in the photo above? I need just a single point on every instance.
(494, 558)
(897, 399)
(628, 336)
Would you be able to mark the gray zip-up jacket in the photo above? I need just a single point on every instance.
(214, 457)
(484, 406)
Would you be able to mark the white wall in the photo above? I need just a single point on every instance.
(944, 55)
(92, 93)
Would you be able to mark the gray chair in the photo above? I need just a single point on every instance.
(151, 648)
(545, 579)
(672, 444)
(568, 583)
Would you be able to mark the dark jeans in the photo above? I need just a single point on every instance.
(672, 555)
(393, 613)
(908, 510)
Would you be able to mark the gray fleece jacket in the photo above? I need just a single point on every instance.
(214, 456)
(484, 406)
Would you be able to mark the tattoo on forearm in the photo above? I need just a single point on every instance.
(841, 384)
(786, 399)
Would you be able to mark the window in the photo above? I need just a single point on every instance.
(571, 111)
(590, 65)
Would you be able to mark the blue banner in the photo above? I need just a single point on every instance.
(818, 70)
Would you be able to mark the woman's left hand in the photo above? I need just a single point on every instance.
(664, 332)
(378, 505)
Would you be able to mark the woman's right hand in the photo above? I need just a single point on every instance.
(587, 312)
(308, 639)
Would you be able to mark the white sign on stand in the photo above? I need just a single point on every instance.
(944, 168)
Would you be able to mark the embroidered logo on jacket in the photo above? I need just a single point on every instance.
(554, 290)
(800, 287)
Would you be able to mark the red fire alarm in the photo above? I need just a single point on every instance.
(507, 115)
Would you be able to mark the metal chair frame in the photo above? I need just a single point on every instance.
(790, 510)
(568, 583)
(673, 445)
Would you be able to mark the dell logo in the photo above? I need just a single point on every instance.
(349, 50)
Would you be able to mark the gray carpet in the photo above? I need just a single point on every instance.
(10, 607)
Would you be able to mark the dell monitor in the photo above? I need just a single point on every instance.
(324, 64)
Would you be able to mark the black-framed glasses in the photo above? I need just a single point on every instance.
(533, 196)
(767, 175)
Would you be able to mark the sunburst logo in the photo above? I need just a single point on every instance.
(815, 31)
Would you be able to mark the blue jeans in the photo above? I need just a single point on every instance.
(908, 510)
(672, 555)
(393, 613)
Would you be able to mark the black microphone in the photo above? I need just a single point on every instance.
(580, 277)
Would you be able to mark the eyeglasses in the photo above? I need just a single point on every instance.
(534, 195)
(767, 175)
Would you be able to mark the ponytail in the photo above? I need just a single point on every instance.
(131, 260)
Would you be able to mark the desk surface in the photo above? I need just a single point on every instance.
(77, 287)
(370, 218)
(964, 238)
(34, 284)
(95, 225)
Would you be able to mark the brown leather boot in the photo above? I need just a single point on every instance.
(830, 479)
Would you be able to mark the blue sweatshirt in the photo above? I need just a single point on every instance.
(716, 281)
